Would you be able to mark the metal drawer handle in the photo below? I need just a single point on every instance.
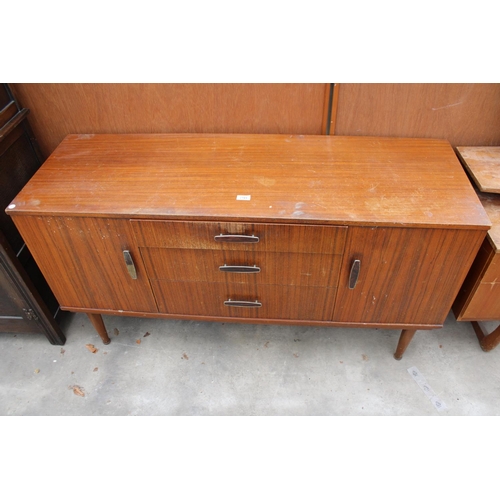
(236, 238)
(239, 269)
(242, 303)
(130, 264)
(353, 277)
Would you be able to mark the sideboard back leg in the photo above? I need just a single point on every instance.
(404, 340)
(98, 323)
(487, 342)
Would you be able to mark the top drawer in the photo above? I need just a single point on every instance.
(267, 237)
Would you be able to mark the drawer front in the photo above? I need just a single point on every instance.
(479, 297)
(491, 274)
(267, 237)
(484, 304)
(243, 266)
(279, 302)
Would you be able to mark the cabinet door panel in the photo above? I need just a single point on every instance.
(406, 276)
(82, 260)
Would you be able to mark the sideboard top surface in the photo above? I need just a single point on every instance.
(269, 178)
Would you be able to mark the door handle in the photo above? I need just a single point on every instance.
(239, 269)
(130, 264)
(354, 274)
(242, 303)
(236, 238)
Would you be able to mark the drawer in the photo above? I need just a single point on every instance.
(242, 266)
(266, 237)
(479, 297)
(278, 302)
(484, 304)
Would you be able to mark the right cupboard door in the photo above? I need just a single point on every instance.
(405, 276)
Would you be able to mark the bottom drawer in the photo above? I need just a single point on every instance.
(484, 304)
(265, 301)
(479, 297)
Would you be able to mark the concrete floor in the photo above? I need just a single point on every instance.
(201, 368)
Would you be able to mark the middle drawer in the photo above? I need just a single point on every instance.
(242, 266)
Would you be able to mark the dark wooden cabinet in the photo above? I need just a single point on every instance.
(27, 305)
(310, 230)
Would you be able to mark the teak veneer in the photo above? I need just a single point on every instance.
(311, 230)
(479, 297)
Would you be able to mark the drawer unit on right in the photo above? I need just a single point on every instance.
(479, 297)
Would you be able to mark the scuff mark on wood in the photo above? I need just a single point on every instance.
(447, 106)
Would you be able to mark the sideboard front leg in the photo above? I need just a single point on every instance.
(404, 340)
(486, 341)
(96, 320)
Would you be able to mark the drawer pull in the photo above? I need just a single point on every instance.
(353, 277)
(236, 238)
(242, 303)
(130, 264)
(239, 269)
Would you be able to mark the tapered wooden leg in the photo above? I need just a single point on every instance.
(98, 323)
(404, 340)
(486, 341)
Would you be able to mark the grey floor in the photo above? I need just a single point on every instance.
(201, 368)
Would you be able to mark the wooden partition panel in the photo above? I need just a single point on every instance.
(464, 114)
(61, 109)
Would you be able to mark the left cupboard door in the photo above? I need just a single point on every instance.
(82, 259)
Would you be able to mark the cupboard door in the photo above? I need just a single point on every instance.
(405, 276)
(83, 261)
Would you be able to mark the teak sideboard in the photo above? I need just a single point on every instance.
(309, 230)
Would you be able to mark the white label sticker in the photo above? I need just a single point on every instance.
(243, 197)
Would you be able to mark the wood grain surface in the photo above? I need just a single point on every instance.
(407, 275)
(465, 114)
(313, 179)
(491, 204)
(483, 164)
(69, 108)
(479, 297)
(298, 269)
(82, 260)
(272, 237)
(484, 304)
(278, 302)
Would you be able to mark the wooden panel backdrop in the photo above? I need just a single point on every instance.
(464, 114)
(61, 109)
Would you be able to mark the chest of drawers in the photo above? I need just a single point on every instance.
(314, 230)
(479, 297)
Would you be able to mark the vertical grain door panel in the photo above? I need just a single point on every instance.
(82, 260)
(408, 276)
